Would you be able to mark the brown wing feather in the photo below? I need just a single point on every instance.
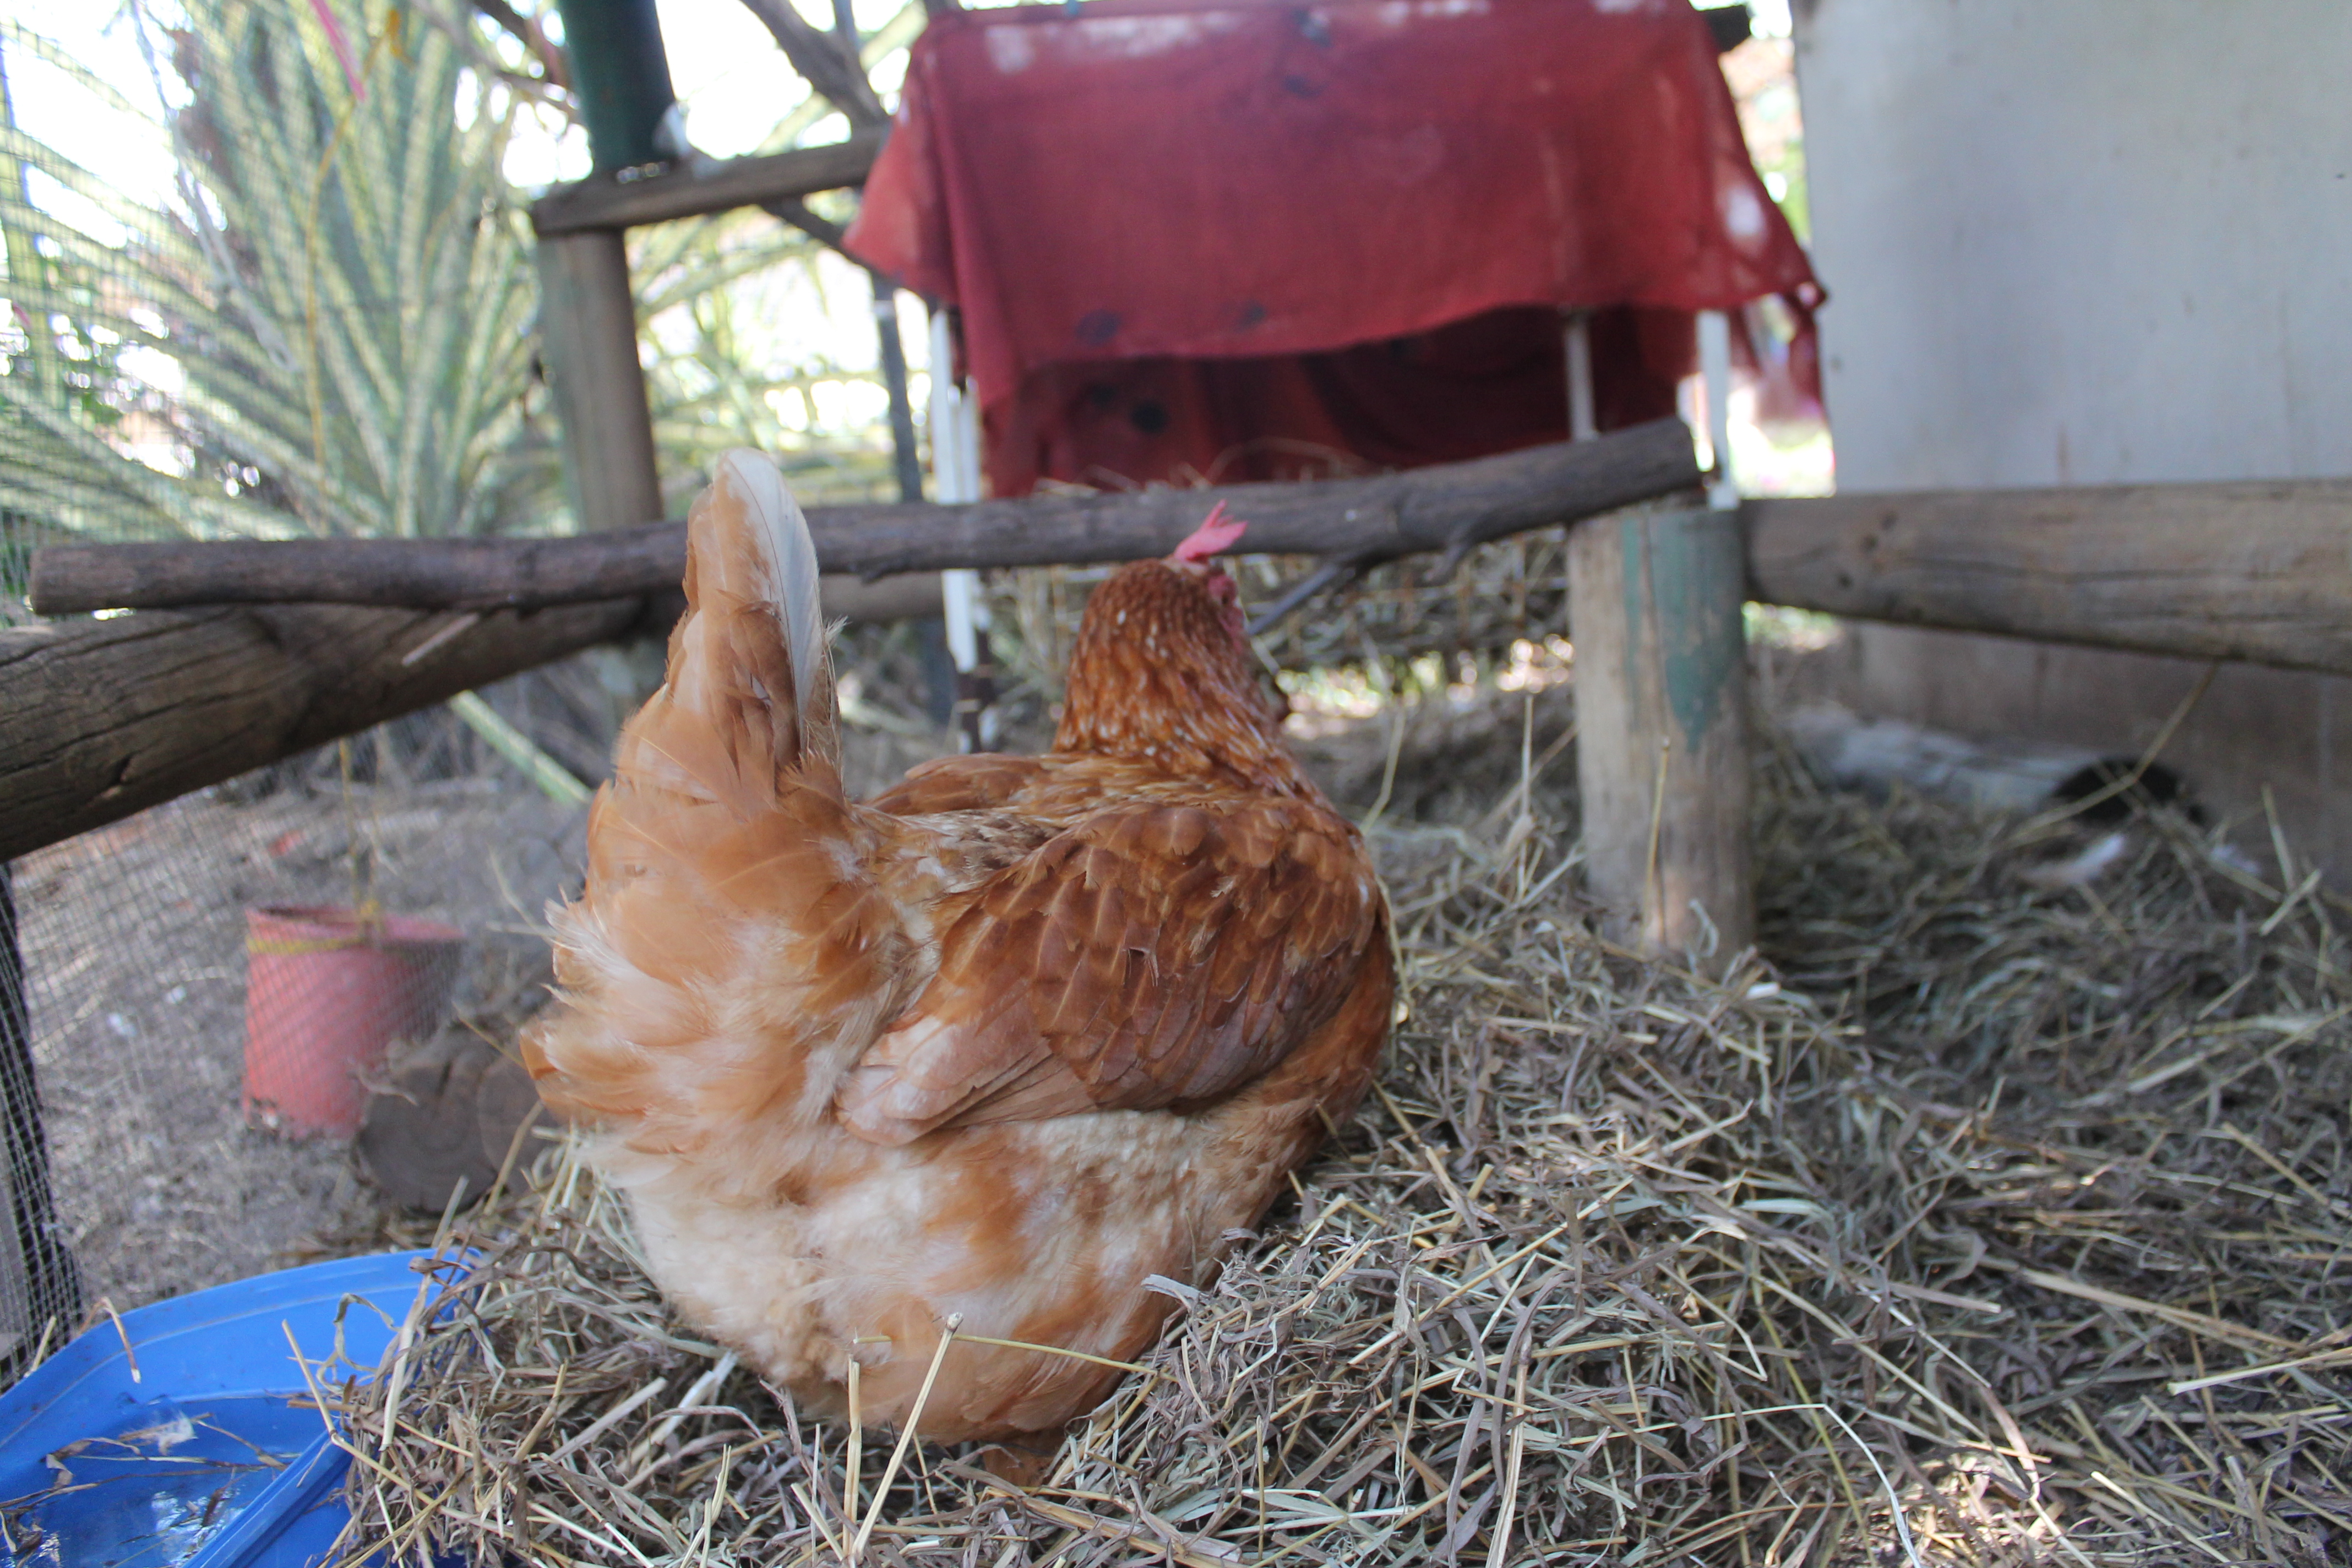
(1153, 956)
(974, 782)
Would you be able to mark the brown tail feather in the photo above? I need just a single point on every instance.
(725, 816)
(749, 697)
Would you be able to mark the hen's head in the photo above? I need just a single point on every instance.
(1194, 556)
(1164, 671)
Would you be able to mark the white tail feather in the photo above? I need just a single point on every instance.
(792, 561)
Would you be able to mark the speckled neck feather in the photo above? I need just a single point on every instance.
(1161, 673)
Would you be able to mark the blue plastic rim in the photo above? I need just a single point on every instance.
(199, 1447)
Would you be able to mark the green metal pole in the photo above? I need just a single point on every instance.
(621, 74)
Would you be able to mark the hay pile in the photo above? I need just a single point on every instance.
(1984, 1221)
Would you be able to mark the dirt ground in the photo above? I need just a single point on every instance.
(133, 941)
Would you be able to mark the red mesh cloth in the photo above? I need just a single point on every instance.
(1242, 238)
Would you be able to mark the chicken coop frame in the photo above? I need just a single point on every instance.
(273, 649)
(239, 655)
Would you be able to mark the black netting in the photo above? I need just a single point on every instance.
(209, 991)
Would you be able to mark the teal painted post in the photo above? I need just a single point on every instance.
(1655, 605)
(620, 72)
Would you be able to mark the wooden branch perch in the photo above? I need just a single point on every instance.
(105, 717)
(2260, 571)
(698, 190)
(1365, 520)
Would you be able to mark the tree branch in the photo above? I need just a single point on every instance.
(832, 69)
(526, 31)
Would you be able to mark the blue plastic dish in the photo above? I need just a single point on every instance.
(207, 1460)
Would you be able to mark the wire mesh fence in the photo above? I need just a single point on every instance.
(256, 1023)
(259, 1023)
(267, 276)
(1510, 591)
(213, 992)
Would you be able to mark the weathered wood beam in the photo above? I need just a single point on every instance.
(105, 717)
(697, 191)
(2259, 571)
(588, 335)
(1378, 518)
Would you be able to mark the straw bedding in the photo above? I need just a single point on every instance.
(1988, 1218)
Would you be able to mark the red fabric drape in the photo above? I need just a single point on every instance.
(1231, 235)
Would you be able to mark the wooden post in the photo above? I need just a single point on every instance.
(588, 334)
(1654, 610)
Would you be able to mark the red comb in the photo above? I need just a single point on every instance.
(1212, 537)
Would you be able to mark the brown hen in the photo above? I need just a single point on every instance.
(996, 1046)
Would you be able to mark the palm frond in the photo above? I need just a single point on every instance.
(345, 279)
(345, 284)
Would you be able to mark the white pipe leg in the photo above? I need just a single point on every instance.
(1715, 374)
(1582, 422)
(955, 478)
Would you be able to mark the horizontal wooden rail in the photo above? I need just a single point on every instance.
(104, 718)
(2259, 571)
(698, 190)
(1368, 519)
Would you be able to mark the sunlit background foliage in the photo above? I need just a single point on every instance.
(319, 316)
